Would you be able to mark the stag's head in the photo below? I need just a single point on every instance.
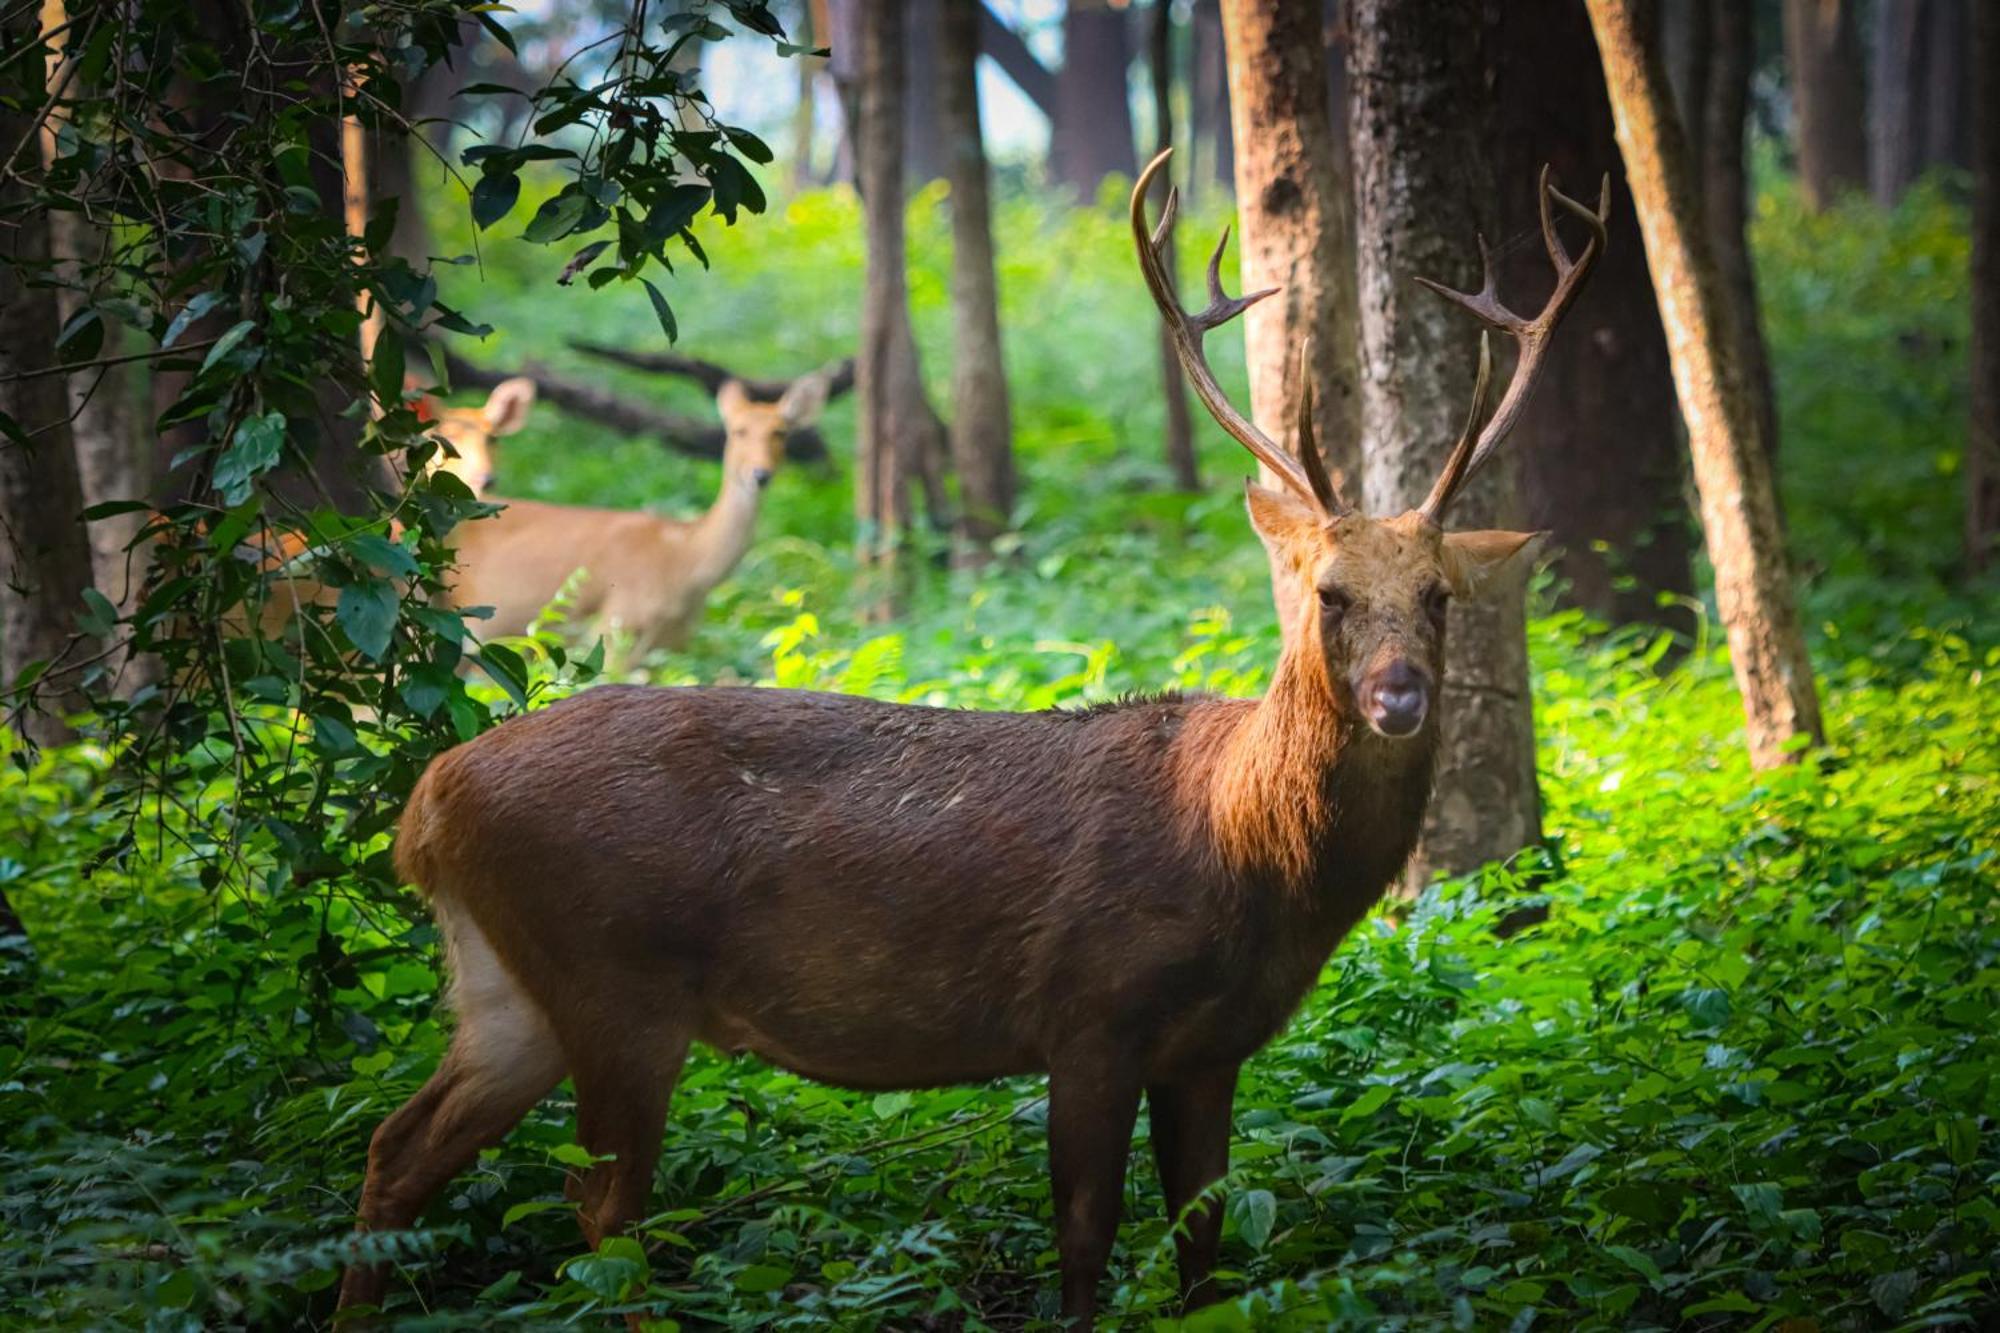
(755, 432)
(469, 433)
(1367, 596)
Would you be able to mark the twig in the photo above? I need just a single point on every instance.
(71, 367)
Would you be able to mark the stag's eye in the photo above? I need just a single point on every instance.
(1437, 598)
(1333, 602)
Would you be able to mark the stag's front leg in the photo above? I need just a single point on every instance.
(1191, 1144)
(1091, 1110)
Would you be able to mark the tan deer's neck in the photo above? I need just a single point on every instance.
(723, 534)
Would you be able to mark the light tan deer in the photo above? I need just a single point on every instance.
(646, 578)
(471, 431)
(1132, 898)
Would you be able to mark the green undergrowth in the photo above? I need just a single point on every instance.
(1743, 1076)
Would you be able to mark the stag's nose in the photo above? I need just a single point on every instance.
(761, 475)
(1396, 699)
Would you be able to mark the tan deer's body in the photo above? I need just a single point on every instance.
(645, 578)
(1132, 899)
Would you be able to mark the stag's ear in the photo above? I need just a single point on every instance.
(804, 398)
(1281, 518)
(1476, 562)
(731, 398)
(507, 407)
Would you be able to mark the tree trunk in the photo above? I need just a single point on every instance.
(110, 453)
(1211, 135)
(1982, 449)
(1739, 508)
(1823, 62)
(897, 432)
(44, 552)
(1599, 444)
(1686, 35)
(1725, 199)
(1297, 225)
(926, 145)
(1419, 120)
(1181, 460)
(1917, 93)
(982, 445)
(1092, 135)
(1006, 49)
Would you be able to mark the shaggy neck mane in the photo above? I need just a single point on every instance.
(1295, 790)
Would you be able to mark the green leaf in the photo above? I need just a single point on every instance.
(555, 219)
(227, 343)
(255, 448)
(382, 554)
(889, 1105)
(493, 198)
(386, 368)
(99, 617)
(507, 670)
(532, 1207)
(1637, 1261)
(661, 312)
(1372, 1099)
(200, 304)
(1259, 1213)
(760, 1278)
(367, 612)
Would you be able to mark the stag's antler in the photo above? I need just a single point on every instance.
(1476, 445)
(1306, 473)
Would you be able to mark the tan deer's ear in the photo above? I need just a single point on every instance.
(1280, 518)
(731, 398)
(507, 407)
(805, 397)
(1475, 562)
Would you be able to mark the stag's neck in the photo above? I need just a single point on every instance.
(1301, 797)
(723, 534)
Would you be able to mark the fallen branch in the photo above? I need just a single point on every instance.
(840, 375)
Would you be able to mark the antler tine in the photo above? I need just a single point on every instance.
(1532, 335)
(1187, 327)
(1306, 440)
(1457, 462)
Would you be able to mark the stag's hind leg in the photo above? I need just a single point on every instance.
(622, 1092)
(503, 1059)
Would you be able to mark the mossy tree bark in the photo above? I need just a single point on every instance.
(1419, 116)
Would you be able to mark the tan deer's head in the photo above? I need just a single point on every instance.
(469, 433)
(1366, 597)
(755, 432)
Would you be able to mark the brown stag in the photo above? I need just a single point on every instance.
(1132, 898)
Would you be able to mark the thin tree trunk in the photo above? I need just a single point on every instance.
(1297, 225)
(897, 433)
(1686, 35)
(1947, 125)
(982, 448)
(1599, 444)
(1180, 427)
(1823, 61)
(1092, 135)
(1918, 92)
(1739, 508)
(816, 32)
(1725, 199)
(1982, 449)
(1211, 134)
(926, 143)
(44, 552)
(1419, 119)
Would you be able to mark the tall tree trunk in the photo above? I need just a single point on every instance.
(1599, 445)
(815, 31)
(898, 434)
(44, 552)
(1739, 508)
(1918, 91)
(1297, 225)
(1982, 448)
(1686, 36)
(1725, 199)
(982, 447)
(1092, 135)
(1211, 135)
(1180, 426)
(926, 146)
(110, 453)
(1419, 119)
(1823, 62)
